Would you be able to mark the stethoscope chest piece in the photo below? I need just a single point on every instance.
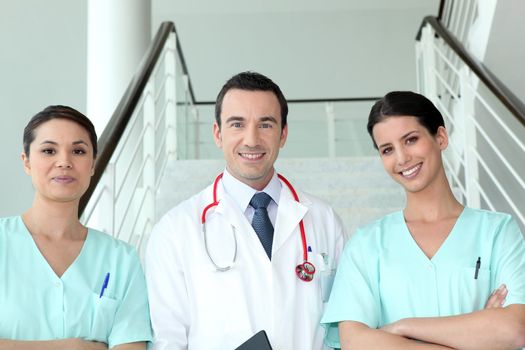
(305, 271)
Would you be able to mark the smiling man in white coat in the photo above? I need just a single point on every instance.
(239, 257)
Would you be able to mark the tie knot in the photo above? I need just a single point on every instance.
(260, 200)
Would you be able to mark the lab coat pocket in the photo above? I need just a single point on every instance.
(327, 280)
(322, 263)
(105, 309)
(474, 291)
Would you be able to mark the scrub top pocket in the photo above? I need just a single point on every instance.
(103, 317)
(474, 292)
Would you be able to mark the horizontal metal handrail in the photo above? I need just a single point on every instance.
(497, 118)
(485, 196)
(138, 146)
(496, 150)
(499, 186)
(97, 199)
(139, 209)
(163, 168)
(134, 122)
(161, 87)
(455, 177)
(455, 149)
(163, 113)
(451, 65)
(128, 205)
(142, 234)
(162, 141)
(444, 82)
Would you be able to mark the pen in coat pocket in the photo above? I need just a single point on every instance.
(104, 285)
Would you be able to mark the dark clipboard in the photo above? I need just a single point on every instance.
(258, 342)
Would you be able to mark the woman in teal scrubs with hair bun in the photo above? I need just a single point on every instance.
(63, 285)
(422, 278)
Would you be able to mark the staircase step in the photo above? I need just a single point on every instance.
(358, 189)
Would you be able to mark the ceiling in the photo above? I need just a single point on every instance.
(312, 49)
(259, 6)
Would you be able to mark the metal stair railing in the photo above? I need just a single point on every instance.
(485, 121)
(137, 144)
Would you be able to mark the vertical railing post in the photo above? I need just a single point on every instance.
(187, 111)
(104, 213)
(419, 66)
(170, 96)
(148, 177)
(330, 121)
(470, 140)
(429, 63)
(101, 214)
(196, 131)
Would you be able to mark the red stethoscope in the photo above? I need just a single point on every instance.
(304, 271)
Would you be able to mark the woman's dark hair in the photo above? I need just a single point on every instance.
(58, 112)
(405, 103)
(251, 81)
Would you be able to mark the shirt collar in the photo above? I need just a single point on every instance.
(242, 194)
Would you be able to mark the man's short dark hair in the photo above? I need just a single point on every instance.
(251, 81)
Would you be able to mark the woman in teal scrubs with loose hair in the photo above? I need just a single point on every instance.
(422, 278)
(63, 285)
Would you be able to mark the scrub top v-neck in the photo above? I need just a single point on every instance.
(384, 276)
(36, 304)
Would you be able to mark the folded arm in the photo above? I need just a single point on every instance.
(131, 346)
(355, 336)
(493, 328)
(65, 344)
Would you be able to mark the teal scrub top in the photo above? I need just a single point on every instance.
(383, 275)
(35, 304)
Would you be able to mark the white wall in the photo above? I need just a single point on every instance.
(43, 62)
(505, 52)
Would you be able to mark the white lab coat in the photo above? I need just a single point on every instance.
(195, 307)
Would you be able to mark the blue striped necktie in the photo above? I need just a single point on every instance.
(261, 221)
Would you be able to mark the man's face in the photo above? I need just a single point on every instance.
(250, 135)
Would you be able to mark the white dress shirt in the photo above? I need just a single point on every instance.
(242, 194)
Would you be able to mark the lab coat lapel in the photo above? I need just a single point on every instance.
(231, 213)
(289, 214)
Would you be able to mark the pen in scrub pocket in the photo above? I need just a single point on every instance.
(478, 265)
(104, 285)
